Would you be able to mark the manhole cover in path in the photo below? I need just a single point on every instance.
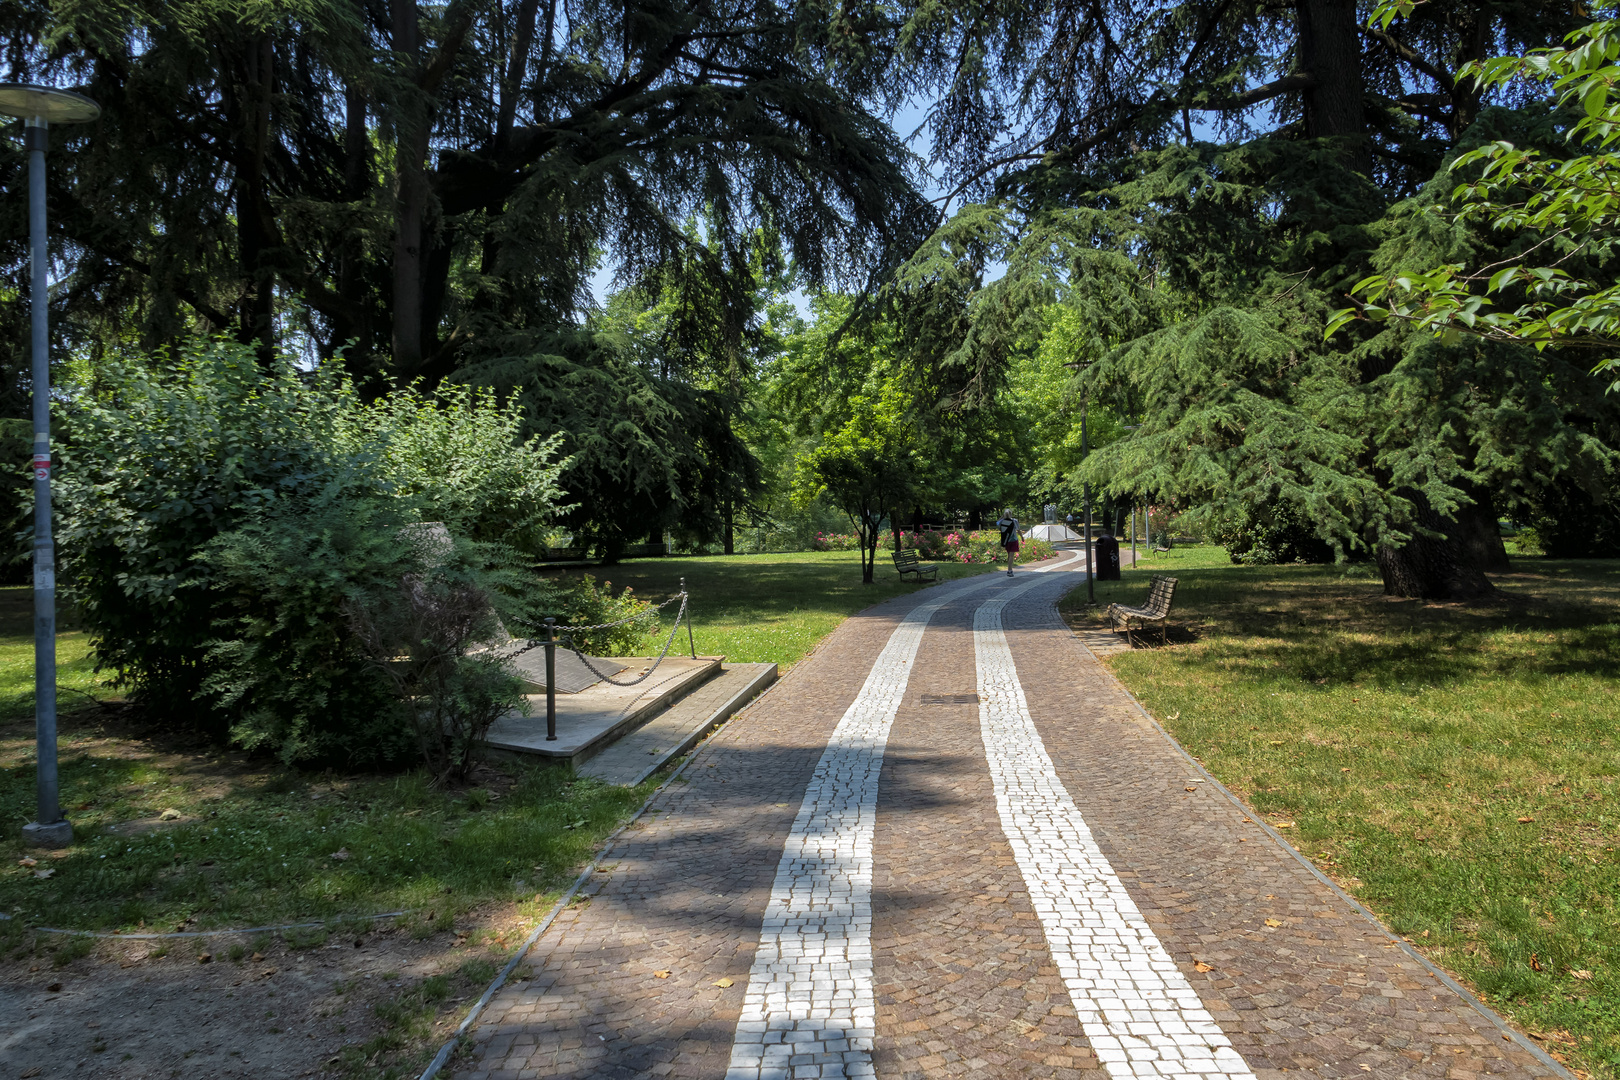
(950, 699)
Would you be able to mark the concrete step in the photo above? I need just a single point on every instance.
(640, 753)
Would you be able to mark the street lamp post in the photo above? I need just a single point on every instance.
(39, 107)
(1085, 492)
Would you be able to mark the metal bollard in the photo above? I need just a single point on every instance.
(689, 642)
(551, 680)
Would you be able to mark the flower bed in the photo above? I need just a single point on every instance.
(980, 546)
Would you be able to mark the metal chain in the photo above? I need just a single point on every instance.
(645, 675)
(535, 643)
(681, 596)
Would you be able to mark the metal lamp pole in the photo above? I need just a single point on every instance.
(39, 107)
(1085, 490)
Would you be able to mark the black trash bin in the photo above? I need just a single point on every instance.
(1107, 556)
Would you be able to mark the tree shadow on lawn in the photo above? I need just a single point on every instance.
(1326, 627)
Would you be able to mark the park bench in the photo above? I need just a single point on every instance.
(906, 562)
(1156, 608)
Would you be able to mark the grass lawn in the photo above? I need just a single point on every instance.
(1455, 767)
(759, 608)
(172, 832)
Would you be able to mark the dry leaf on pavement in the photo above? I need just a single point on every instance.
(660, 974)
(722, 983)
(1201, 966)
(1273, 922)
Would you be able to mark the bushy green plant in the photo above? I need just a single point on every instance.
(589, 604)
(220, 517)
(283, 666)
(429, 632)
(1269, 534)
(163, 458)
(464, 460)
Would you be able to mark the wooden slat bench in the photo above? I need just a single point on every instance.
(906, 562)
(1156, 608)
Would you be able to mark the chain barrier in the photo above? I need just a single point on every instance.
(645, 675)
(565, 638)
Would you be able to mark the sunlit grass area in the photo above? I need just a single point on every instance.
(1455, 767)
(76, 677)
(767, 608)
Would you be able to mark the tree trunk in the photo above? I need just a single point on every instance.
(256, 228)
(1450, 567)
(410, 204)
(1330, 52)
(730, 537)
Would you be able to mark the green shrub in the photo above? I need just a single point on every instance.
(283, 666)
(221, 520)
(587, 604)
(463, 460)
(428, 631)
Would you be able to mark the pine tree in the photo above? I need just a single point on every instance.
(1207, 271)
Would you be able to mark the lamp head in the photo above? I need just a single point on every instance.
(27, 101)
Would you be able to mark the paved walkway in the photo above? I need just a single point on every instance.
(947, 844)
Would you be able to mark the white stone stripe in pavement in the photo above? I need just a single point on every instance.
(1141, 1015)
(809, 1009)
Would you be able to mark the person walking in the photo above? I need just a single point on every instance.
(1009, 537)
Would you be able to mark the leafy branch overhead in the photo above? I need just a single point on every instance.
(1555, 287)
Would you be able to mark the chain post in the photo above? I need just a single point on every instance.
(684, 601)
(551, 680)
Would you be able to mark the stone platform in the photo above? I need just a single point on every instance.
(589, 721)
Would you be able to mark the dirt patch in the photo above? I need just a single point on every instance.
(132, 1010)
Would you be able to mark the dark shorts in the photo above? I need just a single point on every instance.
(1011, 547)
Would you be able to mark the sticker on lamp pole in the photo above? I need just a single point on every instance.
(42, 466)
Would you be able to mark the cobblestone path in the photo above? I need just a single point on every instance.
(947, 844)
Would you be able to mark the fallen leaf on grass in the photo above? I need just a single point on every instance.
(1201, 966)
(1284, 824)
(1526, 820)
(1535, 963)
(266, 973)
(1581, 974)
(341, 854)
(660, 974)
(205, 958)
(1366, 1068)
(1344, 770)
(27, 861)
(42, 874)
(722, 983)
(256, 957)
(171, 814)
(1273, 922)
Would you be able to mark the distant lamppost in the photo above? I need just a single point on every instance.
(1085, 491)
(39, 107)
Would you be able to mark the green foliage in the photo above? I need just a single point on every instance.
(281, 665)
(1267, 535)
(1561, 205)
(430, 631)
(867, 467)
(463, 459)
(590, 604)
(222, 520)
